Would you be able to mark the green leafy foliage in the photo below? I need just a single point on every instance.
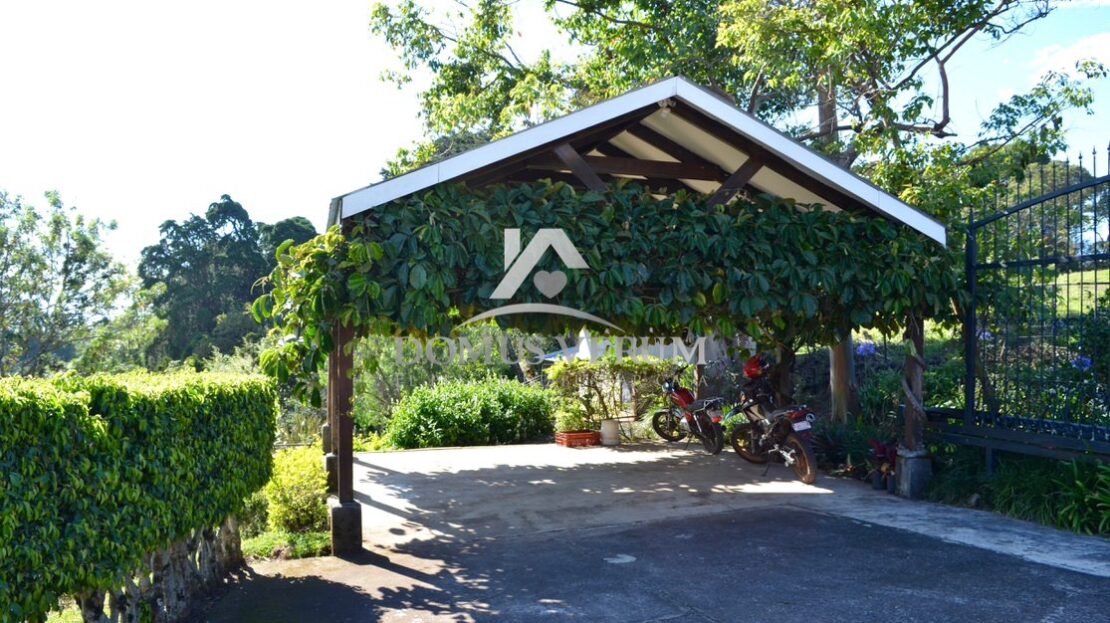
(56, 282)
(478, 413)
(125, 342)
(288, 545)
(209, 265)
(297, 492)
(254, 517)
(100, 471)
(1070, 495)
(388, 369)
(600, 387)
(424, 263)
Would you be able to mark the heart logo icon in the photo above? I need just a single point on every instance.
(550, 284)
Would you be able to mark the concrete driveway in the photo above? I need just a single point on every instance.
(660, 533)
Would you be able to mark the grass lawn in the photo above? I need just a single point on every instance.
(1077, 291)
(287, 545)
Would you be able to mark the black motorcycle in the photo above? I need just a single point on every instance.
(767, 431)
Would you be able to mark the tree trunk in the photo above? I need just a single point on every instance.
(913, 385)
(826, 110)
(843, 390)
(782, 380)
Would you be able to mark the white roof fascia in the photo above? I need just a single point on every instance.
(809, 161)
(693, 95)
(551, 131)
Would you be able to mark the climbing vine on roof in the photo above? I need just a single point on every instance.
(785, 274)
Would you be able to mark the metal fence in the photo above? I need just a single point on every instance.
(1037, 326)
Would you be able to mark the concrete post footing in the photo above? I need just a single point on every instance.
(346, 526)
(913, 471)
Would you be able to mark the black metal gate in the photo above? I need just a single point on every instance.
(1037, 327)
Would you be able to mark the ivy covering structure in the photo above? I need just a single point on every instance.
(117, 490)
(786, 274)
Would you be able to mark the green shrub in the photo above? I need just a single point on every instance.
(382, 381)
(600, 387)
(493, 411)
(100, 472)
(1074, 496)
(254, 518)
(571, 418)
(297, 493)
(288, 545)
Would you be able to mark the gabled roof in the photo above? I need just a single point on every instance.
(668, 135)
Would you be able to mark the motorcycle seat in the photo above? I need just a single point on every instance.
(705, 403)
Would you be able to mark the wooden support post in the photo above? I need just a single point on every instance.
(345, 513)
(913, 385)
(843, 391)
(914, 467)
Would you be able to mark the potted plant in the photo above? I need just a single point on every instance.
(884, 456)
(574, 429)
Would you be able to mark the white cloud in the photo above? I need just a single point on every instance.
(1058, 57)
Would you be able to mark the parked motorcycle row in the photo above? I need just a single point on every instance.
(760, 430)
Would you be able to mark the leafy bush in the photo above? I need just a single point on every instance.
(254, 517)
(297, 493)
(608, 387)
(382, 381)
(1074, 496)
(101, 472)
(297, 422)
(288, 545)
(457, 413)
(571, 418)
(846, 448)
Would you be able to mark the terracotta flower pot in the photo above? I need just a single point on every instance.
(578, 439)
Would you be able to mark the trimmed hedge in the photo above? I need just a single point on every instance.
(489, 412)
(99, 472)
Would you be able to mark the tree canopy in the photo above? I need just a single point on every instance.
(874, 71)
(209, 265)
(56, 281)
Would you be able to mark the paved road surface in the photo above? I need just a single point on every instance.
(656, 533)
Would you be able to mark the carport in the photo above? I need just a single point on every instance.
(669, 136)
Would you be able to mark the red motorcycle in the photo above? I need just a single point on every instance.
(770, 432)
(687, 416)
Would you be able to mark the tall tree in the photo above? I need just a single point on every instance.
(297, 228)
(865, 69)
(56, 281)
(127, 341)
(209, 265)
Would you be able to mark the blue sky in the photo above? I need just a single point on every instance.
(141, 111)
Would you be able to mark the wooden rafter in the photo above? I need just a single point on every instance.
(635, 166)
(655, 183)
(582, 169)
(737, 181)
(753, 149)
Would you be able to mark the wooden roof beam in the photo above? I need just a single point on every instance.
(582, 169)
(737, 181)
(635, 166)
(666, 145)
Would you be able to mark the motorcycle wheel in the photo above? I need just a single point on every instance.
(714, 439)
(666, 425)
(744, 443)
(805, 467)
